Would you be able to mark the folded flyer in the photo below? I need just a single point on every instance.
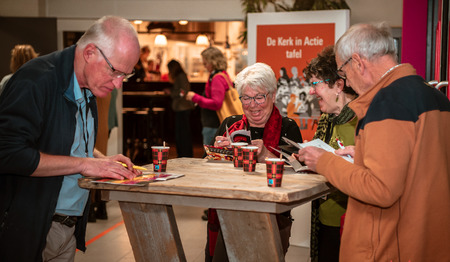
(218, 153)
(320, 144)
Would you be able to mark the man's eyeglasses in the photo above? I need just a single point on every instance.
(341, 73)
(259, 99)
(115, 73)
(313, 84)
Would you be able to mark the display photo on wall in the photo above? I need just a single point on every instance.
(288, 44)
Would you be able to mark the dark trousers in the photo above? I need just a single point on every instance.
(329, 243)
(183, 137)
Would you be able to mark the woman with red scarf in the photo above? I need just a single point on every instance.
(257, 87)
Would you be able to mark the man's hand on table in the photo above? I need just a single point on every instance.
(110, 167)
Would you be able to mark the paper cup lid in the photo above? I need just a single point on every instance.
(160, 147)
(239, 144)
(250, 147)
(274, 160)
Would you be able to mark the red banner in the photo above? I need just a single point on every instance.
(287, 48)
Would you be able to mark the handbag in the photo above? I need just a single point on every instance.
(231, 103)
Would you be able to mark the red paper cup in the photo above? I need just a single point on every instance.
(249, 158)
(275, 168)
(160, 154)
(237, 153)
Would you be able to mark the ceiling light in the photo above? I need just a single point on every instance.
(160, 40)
(183, 22)
(137, 22)
(202, 39)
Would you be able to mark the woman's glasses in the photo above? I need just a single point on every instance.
(259, 99)
(315, 83)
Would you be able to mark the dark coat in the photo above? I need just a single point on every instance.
(37, 114)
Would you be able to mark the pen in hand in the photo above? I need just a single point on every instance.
(341, 146)
(135, 167)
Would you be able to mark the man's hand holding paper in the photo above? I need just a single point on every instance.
(310, 155)
(314, 149)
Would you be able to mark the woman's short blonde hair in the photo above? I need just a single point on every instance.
(215, 57)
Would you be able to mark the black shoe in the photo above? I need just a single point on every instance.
(205, 215)
(101, 211)
(92, 217)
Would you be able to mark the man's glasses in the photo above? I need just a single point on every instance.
(259, 99)
(115, 73)
(341, 73)
(313, 84)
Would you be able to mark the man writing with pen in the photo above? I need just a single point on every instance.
(48, 124)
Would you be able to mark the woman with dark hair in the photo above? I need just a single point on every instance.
(181, 107)
(337, 123)
(284, 78)
(212, 99)
(283, 92)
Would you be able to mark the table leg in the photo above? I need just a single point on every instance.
(250, 236)
(152, 231)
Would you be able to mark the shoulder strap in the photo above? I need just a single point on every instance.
(230, 84)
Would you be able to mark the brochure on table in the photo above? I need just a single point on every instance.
(144, 179)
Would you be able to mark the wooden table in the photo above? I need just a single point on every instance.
(245, 205)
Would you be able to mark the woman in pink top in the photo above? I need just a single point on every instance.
(216, 86)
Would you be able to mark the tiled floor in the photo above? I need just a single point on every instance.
(108, 240)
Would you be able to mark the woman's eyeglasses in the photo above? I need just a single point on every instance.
(313, 84)
(259, 99)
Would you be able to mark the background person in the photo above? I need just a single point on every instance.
(257, 87)
(399, 184)
(284, 78)
(181, 107)
(141, 69)
(337, 121)
(216, 86)
(48, 125)
(284, 92)
(20, 54)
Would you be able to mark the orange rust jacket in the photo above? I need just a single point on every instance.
(399, 186)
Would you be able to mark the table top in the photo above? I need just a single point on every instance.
(221, 180)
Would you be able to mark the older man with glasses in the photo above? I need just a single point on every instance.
(48, 126)
(399, 185)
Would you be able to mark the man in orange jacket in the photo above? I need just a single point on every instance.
(399, 184)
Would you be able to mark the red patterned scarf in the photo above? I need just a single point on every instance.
(272, 130)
